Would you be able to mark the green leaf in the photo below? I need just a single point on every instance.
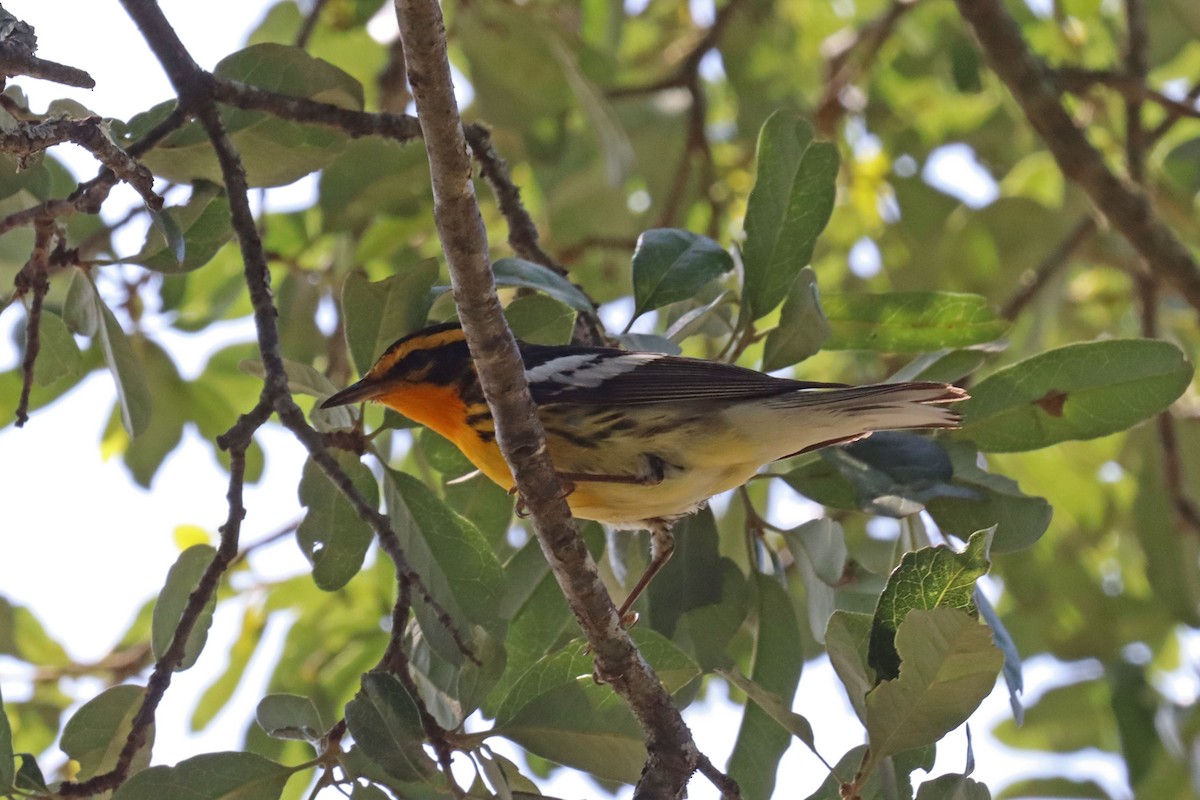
(332, 536)
(775, 666)
(707, 632)
(944, 366)
(182, 579)
(90, 312)
(670, 265)
(456, 562)
(377, 314)
(802, 328)
(212, 776)
(80, 310)
(953, 787)
(7, 773)
(302, 378)
(540, 620)
(846, 638)
(692, 578)
(909, 322)
(538, 319)
(95, 734)
(385, 723)
(290, 716)
(169, 231)
(773, 704)
(949, 665)
(819, 550)
(1080, 391)
(931, 577)
(517, 272)
(794, 189)
(557, 711)
(202, 226)
(175, 404)
(58, 355)
(275, 151)
(29, 776)
(1020, 519)
(894, 473)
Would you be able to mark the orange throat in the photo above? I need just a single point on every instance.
(440, 409)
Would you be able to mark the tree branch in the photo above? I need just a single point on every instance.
(29, 138)
(1127, 209)
(672, 755)
(18, 43)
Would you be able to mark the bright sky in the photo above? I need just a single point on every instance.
(87, 564)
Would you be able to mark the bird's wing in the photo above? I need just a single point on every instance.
(604, 376)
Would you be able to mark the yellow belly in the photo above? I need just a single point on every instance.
(701, 465)
(704, 457)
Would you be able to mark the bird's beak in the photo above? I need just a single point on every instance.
(366, 389)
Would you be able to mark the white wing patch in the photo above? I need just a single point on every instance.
(588, 370)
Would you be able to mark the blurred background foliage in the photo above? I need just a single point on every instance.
(617, 119)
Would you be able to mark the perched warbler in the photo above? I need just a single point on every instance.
(640, 439)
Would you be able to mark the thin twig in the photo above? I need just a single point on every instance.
(401, 127)
(309, 24)
(32, 278)
(726, 785)
(1133, 87)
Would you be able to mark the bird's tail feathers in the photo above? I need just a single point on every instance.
(853, 413)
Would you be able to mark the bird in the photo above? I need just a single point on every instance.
(640, 439)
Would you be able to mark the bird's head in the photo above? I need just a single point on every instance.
(434, 357)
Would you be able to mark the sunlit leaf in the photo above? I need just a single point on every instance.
(932, 577)
(948, 665)
(452, 557)
(274, 151)
(791, 202)
(909, 322)
(1080, 391)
